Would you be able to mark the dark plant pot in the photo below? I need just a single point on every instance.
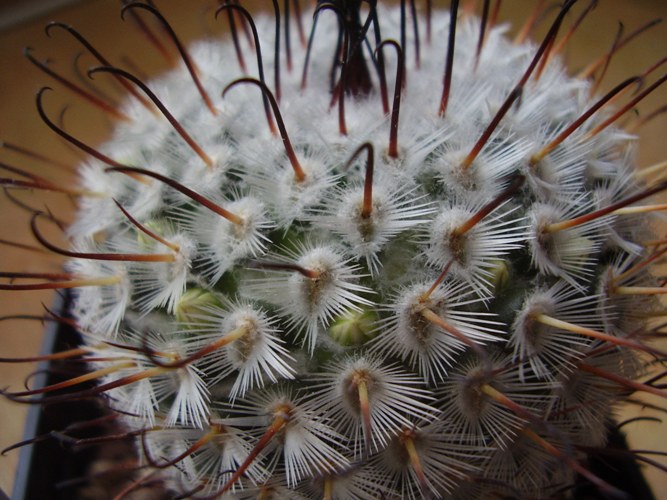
(49, 469)
(621, 471)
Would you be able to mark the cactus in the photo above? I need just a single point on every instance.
(293, 284)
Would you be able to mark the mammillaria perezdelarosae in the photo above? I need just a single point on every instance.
(396, 256)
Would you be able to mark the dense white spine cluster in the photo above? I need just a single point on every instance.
(300, 330)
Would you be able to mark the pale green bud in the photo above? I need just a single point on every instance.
(194, 304)
(353, 328)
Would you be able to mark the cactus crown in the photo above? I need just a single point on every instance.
(303, 287)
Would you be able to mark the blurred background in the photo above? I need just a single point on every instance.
(22, 24)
